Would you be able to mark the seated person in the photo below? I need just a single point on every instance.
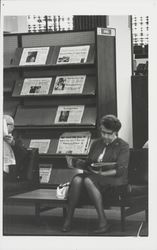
(108, 148)
(8, 142)
(14, 154)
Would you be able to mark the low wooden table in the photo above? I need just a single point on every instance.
(42, 199)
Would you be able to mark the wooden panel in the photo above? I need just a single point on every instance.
(140, 110)
(138, 167)
(43, 117)
(107, 103)
(59, 70)
(9, 78)
(10, 45)
(53, 39)
(10, 106)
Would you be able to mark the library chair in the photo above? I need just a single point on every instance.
(26, 178)
(133, 197)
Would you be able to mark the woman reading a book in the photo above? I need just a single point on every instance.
(104, 169)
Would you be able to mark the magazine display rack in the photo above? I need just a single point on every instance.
(59, 85)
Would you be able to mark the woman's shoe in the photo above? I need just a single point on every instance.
(66, 228)
(102, 230)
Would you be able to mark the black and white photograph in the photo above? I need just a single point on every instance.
(59, 84)
(96, 186)
(64, 116)
(31, 56)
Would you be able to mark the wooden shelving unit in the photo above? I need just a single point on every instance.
(34, 115)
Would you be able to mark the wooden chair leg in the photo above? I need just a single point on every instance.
(64, 212)
(122, 218)
(37, 212)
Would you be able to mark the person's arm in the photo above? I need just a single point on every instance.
(9, 139)
(122, 163)
(123, 160)
(74, 162)
(111, 172)
(85, 163)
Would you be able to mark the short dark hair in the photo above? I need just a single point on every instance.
(111, 122)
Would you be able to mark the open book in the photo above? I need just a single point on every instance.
(98, 166)
(103, 166)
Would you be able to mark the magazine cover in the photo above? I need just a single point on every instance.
(70, 114)
(69, 84)
(36, 86)
(34, 56)
(75, 54)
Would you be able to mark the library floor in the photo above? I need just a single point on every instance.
(20, 220)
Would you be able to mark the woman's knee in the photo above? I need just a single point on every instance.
(88, 182)
(77, 180)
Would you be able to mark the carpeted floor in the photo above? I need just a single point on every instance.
(20, 220)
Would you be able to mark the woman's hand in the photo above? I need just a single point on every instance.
(69, 161)
(110, 172)
(9, 139)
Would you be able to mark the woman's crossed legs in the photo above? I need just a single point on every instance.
(78, 183)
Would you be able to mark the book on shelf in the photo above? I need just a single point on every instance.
(34, 56)
(73, 54)
(36, 86)
(70, 114)
(72, 84)
(45, 171)
(41, 144)
(74, 143)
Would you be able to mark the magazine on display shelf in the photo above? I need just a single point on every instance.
(45, 172)
(69, 84)
(73, 54)
(70, 114)
(74, 143)
(36, 86)
(34, 56)
(41, 144)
